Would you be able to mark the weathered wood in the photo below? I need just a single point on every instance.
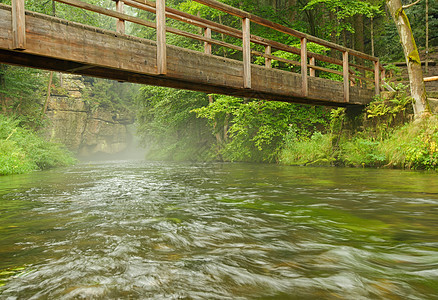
(312, 66)
(18, 25)
(304, 83)
(161, 37)
(346, 76)
(120, 25)
(246, 45)
(376, 78)
(267, 58)
(60, 45)
(207, 45)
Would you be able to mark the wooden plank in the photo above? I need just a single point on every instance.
(246, 45)
(346, 75)
(304, 82)
(120, 25)
(18, 25)
(432, 78)
(376, 78)
(207, 45)
(312, 64)
(267, 59)
(161, 37)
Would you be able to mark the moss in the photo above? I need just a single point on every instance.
(414, 56)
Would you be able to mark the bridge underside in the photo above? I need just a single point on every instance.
(59, 45)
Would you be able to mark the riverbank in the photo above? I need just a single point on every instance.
(413, 145)
(23, 151)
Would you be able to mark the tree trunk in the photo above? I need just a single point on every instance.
(418, 90)
(359, 41)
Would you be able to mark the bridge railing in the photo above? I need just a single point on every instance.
(365, 69)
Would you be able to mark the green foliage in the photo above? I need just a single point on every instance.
(256, 128)
(110, 94)
(345, 9)
(315, 150)
(361, 152)
(383, 114)
(23, 151)
(167, 127)
(21, 93)
(415, 145)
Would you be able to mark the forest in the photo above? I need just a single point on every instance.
(185, 125)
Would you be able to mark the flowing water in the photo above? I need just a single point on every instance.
(147, 230)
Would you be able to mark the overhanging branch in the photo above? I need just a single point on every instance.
(411, 4)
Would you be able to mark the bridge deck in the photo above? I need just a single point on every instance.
(59, 45)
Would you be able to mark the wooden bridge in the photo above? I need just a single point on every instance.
(41, 41)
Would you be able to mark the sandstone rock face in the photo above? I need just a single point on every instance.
(85, 131)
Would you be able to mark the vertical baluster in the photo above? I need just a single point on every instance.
(18, 25)
(207, 46)
(246, 53)
(376, 77)
(120, 25)
(305, 86)
(312, 70)
(346, 75)
(161, 36)
(267, 60)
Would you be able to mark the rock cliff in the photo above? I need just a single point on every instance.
(84, 129)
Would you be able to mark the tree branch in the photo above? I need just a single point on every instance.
(409, 5)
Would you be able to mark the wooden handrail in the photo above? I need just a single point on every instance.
(307, 59)
(256, 19)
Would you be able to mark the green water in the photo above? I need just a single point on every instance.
(145, 230)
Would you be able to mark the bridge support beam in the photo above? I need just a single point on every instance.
(376, 77)
(346, 75)
(305, 84)
(246, 43)
(120, 25)
(161, 37)
(18, 25)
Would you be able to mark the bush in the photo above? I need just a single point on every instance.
(415, 145)
(22, 151)
(361, 152)
(316, 150)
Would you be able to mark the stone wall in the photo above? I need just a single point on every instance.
(85, 131)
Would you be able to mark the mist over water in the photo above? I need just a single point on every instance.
(140, 230)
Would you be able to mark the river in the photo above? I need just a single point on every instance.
(152, 230)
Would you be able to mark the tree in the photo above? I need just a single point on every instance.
(412, 57)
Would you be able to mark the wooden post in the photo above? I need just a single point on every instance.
(376, 77)
(246, 43)
(305, 86)
(346, 75)
(267, 60)
(120, 25)
(207, 46)
(161, 36)
(18, 25)
(312, 70)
